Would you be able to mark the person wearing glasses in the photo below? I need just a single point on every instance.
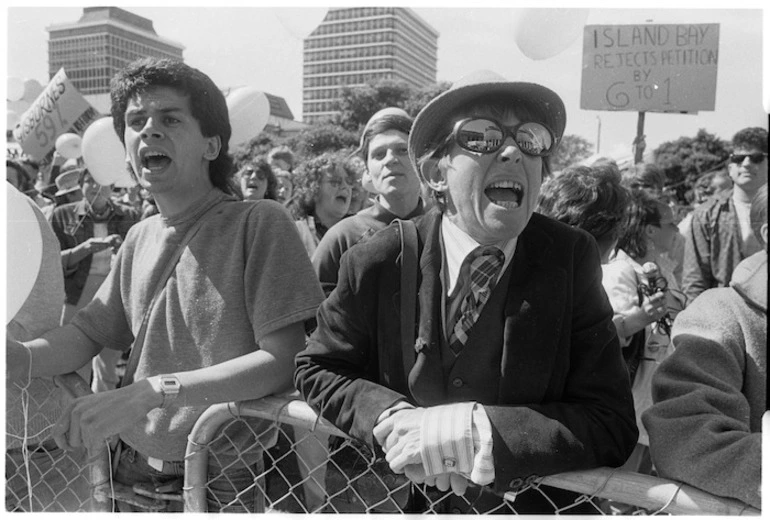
(322, 192)
(516, 371)
(720, 234)
(255, 176)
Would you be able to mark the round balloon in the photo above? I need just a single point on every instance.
(32, 89)
(124, 179)
(69, 146)
(301, 22)
(103, 152)
(544, 33)
(249, 111)
(24, 251)
(15, 89)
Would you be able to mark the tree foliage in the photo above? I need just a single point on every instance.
(357, 104)
(684, 160)
(317, 139)
(571, 151)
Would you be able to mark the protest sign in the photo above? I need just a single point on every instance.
(650, 68)
(59, 108)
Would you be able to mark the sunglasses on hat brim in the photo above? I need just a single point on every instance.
(486, 135)
(755, 158)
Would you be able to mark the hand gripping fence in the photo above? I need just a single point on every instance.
(291, 450)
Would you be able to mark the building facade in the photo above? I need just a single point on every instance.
(354, 46)
(104, 40)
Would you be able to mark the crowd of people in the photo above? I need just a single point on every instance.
(470, 318)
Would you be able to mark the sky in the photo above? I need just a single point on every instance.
(261, 47)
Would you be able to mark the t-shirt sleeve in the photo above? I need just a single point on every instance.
(281, 286)
(104, 319)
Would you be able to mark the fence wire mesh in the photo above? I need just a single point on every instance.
(276, 455)
(39, 476)
(308, 466)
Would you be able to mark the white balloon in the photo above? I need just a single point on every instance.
(103, 152)
(69, 146)
(25, 251)
(544, 33)
(249, 111)
(19, 106)
(125, 179)
(32, 89)
(15, 89)
(301, 21)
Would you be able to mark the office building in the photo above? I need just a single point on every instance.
(354, 46)
(102, 41)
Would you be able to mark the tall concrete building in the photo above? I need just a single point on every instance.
(353, 46)
(104, 40)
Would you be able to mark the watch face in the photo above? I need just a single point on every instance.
(170, 385)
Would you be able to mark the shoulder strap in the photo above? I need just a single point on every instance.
(136, 349)
(408, 291)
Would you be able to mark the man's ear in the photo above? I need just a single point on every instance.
(432, 175)
(763, 233)
(213, 146)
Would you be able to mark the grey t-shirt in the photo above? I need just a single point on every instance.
(244, 274)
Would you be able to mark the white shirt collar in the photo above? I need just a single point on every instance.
(458, 245)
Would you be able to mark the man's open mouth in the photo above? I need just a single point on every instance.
(155, 161)
(507, 194)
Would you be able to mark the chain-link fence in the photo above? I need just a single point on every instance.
(42, 478)
(291, 461)
(310, 466)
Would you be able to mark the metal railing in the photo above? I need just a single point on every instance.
(292, 454)
(601, 491)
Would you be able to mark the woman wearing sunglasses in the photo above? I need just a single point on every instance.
(515, 369)
(720, 235)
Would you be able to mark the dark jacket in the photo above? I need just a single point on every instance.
(712, 246)
(73, 225)
(562, 400)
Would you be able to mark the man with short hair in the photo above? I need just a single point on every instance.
(226, 324)
(517, 371)
(720, 234)
(390, 175)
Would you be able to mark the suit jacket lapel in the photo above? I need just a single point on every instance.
(426, 380)
(533, 321)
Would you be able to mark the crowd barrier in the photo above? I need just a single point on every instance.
(292, 452)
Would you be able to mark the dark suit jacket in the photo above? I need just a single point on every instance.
(563, 401)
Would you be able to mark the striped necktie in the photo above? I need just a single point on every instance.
(485, 265)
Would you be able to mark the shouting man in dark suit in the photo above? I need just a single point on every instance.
(517, 370)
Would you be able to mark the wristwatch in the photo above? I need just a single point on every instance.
(169, 388)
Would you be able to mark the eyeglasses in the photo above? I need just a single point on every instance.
(755, 158)
(484, 135)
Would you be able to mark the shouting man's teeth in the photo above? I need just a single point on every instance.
(155, 160)
(507, 194)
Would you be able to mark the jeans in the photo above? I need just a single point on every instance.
(230, 490)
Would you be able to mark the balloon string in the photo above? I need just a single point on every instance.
(25, 414)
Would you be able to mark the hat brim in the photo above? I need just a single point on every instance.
(435, 114)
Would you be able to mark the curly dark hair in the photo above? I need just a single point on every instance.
(588, 198)
(752, 137)
(308, 177)
(259, 163)
(281, 153)
(207, 104)
(643, 210)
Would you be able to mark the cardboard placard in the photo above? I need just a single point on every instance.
(650, 68)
